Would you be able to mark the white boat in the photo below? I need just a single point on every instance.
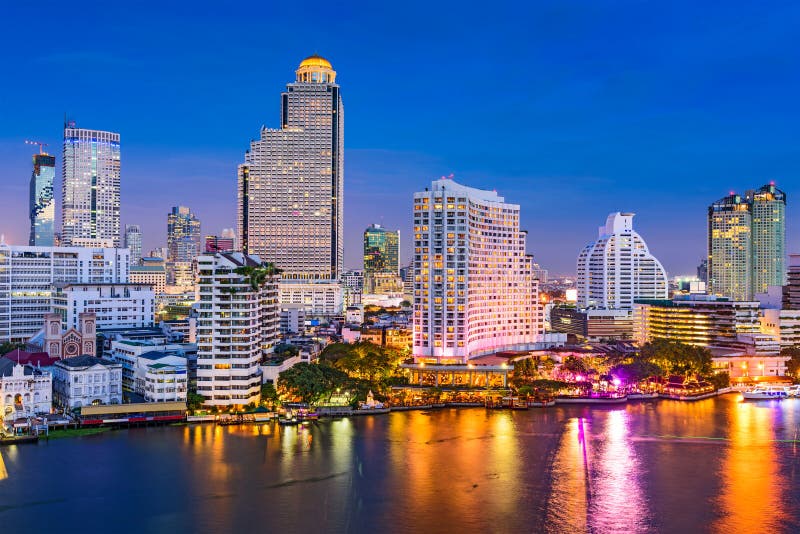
(793, 391)
(765, 393)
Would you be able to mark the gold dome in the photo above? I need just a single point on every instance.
(316, 61)
(315, 69)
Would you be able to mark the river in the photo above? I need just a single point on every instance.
(718, 465)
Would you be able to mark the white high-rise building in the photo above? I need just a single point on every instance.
(291, 187)
(91, 178)
(618, 268)
(237, 325)
(133, 242)
(475, 292)
(28, 276)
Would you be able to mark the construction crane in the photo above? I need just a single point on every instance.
(41, 145)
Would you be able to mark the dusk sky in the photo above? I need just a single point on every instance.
(571, 109)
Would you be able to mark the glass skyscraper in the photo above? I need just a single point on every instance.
(381, 260)
(42, 205)
(183, 245)
(746, 243)
(291, 183)
(91, 179)
(133, 242)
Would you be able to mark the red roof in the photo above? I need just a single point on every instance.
(37, 359)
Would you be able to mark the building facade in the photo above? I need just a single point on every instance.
(746, 243)
(86, 381)
(618, 268)
(30, 274)
(90, 185)
(237, 325)
(133, 242)
(42, 206)
(215, 243)
(183, 246)
(25, 390)
(153, 275)
(382, 260)
(291, 184)
(114, 305)
(474, 288)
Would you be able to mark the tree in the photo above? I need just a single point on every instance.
(636, 371)
(677, 358)
(720, 380)
(793, 365)
(194, 401)
(269, 395)
(7, 346)
(311, 383)
(525, 371)
(574, 365)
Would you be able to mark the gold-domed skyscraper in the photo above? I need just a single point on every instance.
(291, 187)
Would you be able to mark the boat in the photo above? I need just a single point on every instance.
(765, 393)
(289, 418)
(793, 391)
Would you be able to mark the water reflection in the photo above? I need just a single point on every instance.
(753, 492)
(3, 472)
(568, 504)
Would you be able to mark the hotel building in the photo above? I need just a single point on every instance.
(474, 288)
(28, 276)
(237, 325)
(291, 187)
(41, 205)
(746, 243)
(618, 268)
(91, 181)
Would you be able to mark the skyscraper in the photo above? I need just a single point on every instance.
(381, 260)
(42, 206)
(746, 243)
(91, 179)
(618, 268)
(183, 245)
(768, 234)
(474, 288)
(291, 185)
(133, 242)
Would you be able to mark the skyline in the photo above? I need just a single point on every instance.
(695, 108)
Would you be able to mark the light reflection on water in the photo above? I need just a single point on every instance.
(710, 466)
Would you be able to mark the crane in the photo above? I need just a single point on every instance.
(41, 145)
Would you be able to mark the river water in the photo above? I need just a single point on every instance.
(718, 465)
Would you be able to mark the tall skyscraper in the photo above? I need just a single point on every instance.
(746, 243)
(133, 242)
(291, 183)
(42, 206)
(768, 234)
(381, 260)
(618, 268)
(91, 180)
(291, 188)
(183, 245)
(474, 288)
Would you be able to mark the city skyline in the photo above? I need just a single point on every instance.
(670, 116)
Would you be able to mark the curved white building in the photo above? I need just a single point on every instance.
(618, 268)
(475, 291)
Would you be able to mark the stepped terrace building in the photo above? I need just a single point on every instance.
(237, 325)
(475, 292)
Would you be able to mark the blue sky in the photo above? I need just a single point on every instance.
(571, 109)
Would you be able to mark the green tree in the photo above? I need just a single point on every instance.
(677, 358)
(525, 371)
(312, 383)
(574, 365)
(720, 380)
(636, 371)
(194, 401)
(269, 395)
(7, 346)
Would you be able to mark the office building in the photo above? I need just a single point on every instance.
(746, 243)
(90, 186)
(618, 268)
(133, 242)
(183, 246)
(291, 186)
(381, 260)
(114, 305)
(237, 325)
(474, 290)
(42, 206)
(592, 324)
(791, 291)
(151, 274)
(32, 273)
(700, 320)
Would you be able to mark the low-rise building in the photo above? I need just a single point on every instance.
(25, 390)
(592, 324)
(86, 380)
(128, 353)
(293, 319)
(161, 377)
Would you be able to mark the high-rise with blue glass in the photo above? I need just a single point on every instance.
(42, 206)
(91, 178)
